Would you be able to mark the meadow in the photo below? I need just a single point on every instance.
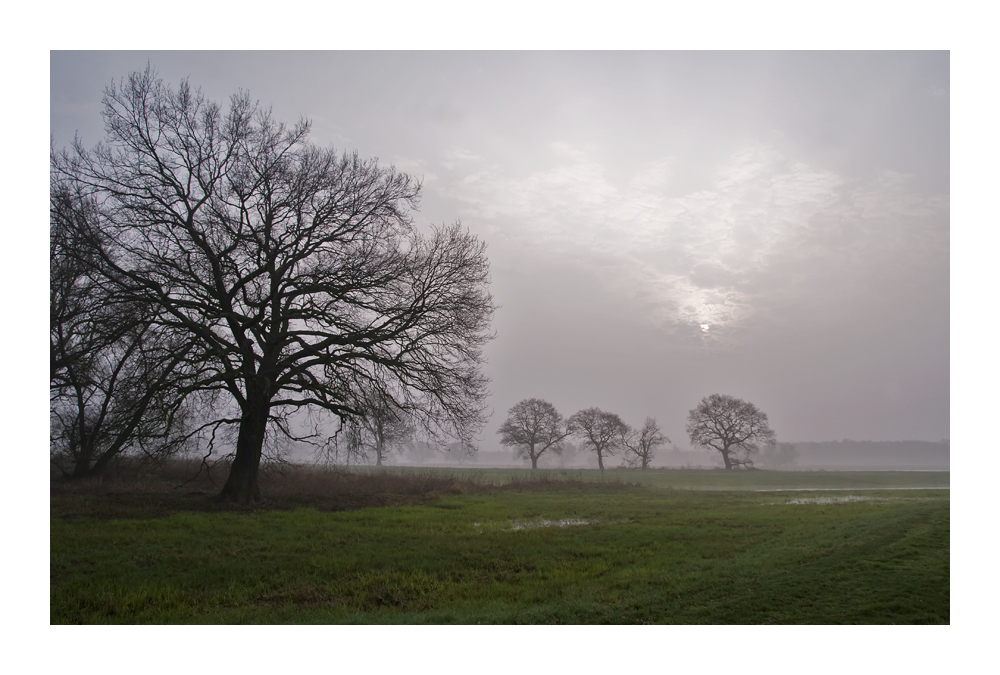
(507, 546)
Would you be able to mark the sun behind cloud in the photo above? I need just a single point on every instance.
(695, 259)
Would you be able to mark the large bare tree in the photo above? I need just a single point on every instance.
(532, 427)
(296, 271)
(641, 444)
(601, 432)
(732, 426)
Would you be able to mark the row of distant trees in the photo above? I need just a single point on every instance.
(735, 428)
(534, 427)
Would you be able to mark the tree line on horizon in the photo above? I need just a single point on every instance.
(735, 428)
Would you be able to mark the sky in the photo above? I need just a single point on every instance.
(661, 226)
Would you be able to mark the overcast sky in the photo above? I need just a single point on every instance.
(661, 226)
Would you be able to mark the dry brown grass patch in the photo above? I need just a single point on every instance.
(134, 491)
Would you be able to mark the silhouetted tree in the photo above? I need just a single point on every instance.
(296, 271)
(117, 382)
(532, 427)
(601, 432)
(734, 427)
(641, 443)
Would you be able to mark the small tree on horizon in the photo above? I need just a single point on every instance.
(533, 427)
(386, 427)
(729, 425)
(601, 432)
(640, 443)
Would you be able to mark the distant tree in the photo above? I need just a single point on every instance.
(600, 432)
(640, 443)
(380, 428)
(387, 428)
(532, 427)
(732, 426)
(296, 272)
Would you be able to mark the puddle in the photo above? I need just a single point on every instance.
(849, 499)
(852, 489)
(518, 525)
(541, 522)
(834, 500)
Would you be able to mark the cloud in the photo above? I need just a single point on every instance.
(457, 157)
(419, 169)
(715, 255)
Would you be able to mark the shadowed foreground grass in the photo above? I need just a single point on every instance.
(454, 551)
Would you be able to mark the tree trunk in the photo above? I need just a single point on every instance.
(600, 461)
(241, 486)
(534, 462)
(102, 462)
(81, 468)
(725, 458)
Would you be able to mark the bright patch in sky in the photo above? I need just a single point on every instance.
(713, 256)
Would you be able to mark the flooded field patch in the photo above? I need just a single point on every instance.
(542, 522)
(848, 499)
(517, 525)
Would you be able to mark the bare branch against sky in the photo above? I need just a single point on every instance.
(662, 226)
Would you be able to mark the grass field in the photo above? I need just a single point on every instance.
(497, 546)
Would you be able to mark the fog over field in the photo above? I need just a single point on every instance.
(661, 226)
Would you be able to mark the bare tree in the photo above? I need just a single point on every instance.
(117, 383)
(389, 430)
(732, 426)
(601, 432)
(381, 427)
(642, 443)
(296, 271)
(532, 427)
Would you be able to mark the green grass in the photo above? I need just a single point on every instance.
(634, 554)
